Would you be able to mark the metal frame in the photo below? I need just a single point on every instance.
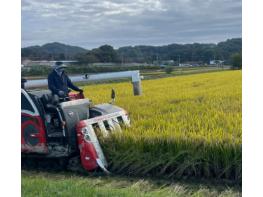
(134, 75)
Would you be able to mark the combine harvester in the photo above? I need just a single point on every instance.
(67, 129)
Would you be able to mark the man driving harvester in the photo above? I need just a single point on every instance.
(59, 83)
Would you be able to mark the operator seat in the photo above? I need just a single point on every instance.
(53, 115)
(50, 101)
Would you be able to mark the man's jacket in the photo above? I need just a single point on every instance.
(58, 83)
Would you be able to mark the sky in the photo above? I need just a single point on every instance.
(92, 23)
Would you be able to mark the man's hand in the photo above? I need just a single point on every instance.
(61, 93)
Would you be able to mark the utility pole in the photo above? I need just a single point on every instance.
(178, 60)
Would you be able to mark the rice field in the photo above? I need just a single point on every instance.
(185, 126)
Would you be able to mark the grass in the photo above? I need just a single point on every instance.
(187, 126)
(67, 184)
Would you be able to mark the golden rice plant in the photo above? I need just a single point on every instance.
(185, 126)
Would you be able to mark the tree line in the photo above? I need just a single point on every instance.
(183, 52)
(196, 52)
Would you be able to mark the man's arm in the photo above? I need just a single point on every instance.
(72, 86)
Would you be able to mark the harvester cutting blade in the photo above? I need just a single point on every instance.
(101, 165)
(90, 149)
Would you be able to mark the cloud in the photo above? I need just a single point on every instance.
(90, 23)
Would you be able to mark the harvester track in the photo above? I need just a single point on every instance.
(53, 165)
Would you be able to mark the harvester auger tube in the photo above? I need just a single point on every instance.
(91, 154)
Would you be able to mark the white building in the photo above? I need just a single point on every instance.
(216, 62)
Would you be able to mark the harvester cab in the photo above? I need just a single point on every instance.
(68, 129)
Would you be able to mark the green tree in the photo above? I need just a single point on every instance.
(236, 60)
(106, 53)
